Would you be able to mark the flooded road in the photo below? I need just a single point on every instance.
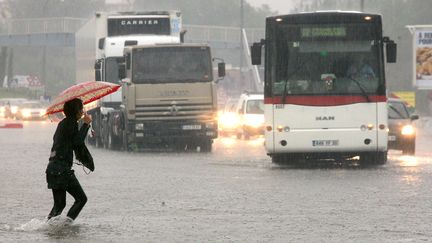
(234, 193)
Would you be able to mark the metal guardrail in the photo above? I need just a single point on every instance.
(71, 25)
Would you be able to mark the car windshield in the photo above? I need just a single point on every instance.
(255, 107)
(397, 110)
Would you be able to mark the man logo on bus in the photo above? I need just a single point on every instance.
(325, 118)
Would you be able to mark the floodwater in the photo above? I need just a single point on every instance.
(234, 193)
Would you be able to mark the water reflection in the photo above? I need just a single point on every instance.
(408, 161)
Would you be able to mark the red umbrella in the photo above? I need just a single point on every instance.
(87, 92)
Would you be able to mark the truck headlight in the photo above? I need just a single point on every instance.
(210, 125)
(139, 126)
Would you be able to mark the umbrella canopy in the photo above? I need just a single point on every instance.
(87, 92)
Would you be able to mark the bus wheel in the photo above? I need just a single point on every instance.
(280, 159)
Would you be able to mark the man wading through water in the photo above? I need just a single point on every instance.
(59, 174)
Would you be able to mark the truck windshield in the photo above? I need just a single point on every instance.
(171, 65)
(325, 60)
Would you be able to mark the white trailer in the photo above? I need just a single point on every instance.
(99, 47)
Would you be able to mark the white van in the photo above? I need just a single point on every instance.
(250, 109)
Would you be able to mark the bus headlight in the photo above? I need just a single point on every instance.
(407, 130)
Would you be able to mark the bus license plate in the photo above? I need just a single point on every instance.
(191, 127)
(317, 143)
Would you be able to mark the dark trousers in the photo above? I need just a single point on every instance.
(59, 196)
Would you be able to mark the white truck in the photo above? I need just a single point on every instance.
(99, 47)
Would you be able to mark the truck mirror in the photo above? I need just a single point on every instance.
(391, 52)
(256, 53)
(101, 43)
(221, 69)
(98, 75)
(128, 57)
(122, 71)
(97, 65)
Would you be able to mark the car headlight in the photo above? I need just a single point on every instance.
(14, 109)
(25, 113)
(407, 130)
(229, 120)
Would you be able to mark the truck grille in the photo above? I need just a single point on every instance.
(200, 111)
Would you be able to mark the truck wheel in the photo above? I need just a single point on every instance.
(124, 141)
(206, 145)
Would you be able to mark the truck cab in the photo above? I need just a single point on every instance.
(169, 97)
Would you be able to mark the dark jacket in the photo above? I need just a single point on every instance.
(83, 155)
(67, 137)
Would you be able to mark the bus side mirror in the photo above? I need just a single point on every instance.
(256, 53)
(101, 43)
(391, 52)
(221, 69)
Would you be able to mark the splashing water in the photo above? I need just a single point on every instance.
(53, 225)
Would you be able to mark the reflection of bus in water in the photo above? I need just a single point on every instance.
(325, 89)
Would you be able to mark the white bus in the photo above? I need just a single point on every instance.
(325, 88)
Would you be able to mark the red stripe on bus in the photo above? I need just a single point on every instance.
(324, 100)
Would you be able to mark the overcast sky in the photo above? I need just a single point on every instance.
(282, 6)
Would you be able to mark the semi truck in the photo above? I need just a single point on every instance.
(100, 43)
(168, 98)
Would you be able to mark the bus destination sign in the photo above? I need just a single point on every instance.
(308, 32)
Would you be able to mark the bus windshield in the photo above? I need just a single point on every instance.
(171, 65)
(325, 59)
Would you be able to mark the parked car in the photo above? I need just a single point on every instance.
(402, 132)
(31, 110)
(250, 109)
